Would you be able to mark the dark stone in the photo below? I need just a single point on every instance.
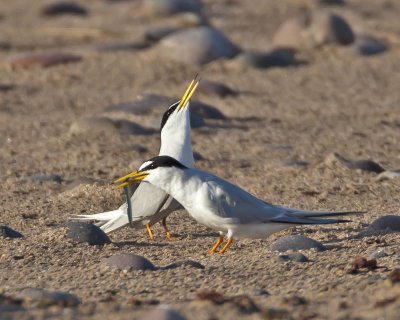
(216, 88)
(368, 45)
(44, 177)
(44, 298)
(86, 233)
(206, 111)
(64, 7)
(129, 261)
(276, 58)
(162, 313)
(365, 165)
(296, 242)
(7, 232)
(386, 223)
(169, 7)
(185, 263)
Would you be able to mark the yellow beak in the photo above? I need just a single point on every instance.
(188, 94)
(135, 176)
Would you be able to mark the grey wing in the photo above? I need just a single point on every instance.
(237, 204)
(147, 200)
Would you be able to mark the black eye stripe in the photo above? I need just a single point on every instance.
(163, 161)
(168, 113)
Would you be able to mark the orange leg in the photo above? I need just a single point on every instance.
(226, 246)
(170, 236)
(217, 244)
(149, 231)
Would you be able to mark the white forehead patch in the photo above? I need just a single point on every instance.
(145, 164)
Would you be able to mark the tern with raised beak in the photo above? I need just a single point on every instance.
(150, 204)
(221, 205)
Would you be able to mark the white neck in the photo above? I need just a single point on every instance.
(176, 141)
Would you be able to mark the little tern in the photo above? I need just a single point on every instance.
(221, 205)
(149, 203)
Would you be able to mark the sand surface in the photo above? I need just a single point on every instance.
(339, 101)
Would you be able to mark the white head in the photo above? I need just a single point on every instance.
(175, 129)
(153, 171)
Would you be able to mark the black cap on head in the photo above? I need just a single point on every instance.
(162, 161)
(167, 114)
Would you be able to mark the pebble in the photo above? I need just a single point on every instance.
(198, 46)
(44, 59)
(64, 7)
(216, 88)
(169, 7)
(368, 45)
(7, 232)
(377, 254)
(44, 177)
(129, 261)
(296, 242)
(313, 29)
(185, 263)
(206, 111)
(261, 60)
(296, 256)
(86, 233)
(44, 298)
(364, 165)
(103, 124)
(386, 223)
(6, 87)
(162, 313)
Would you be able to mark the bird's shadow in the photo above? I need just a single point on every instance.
(204, 234)
(139, 244)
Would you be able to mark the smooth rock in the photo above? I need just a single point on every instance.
(377, 254)
(216, 88)
(313, 29)
(7, 232)
(184, 263)
(86, 233)
(368, 45)
(386, 223)
(64, 7)
(365, 165)
(6, 87)
(169, 7)
(44, 298)
(198, 46)
(104, 124)
(206, 111)
(43, 59)
(162, 313)
(129, 261)
(44, 177)
(296, 242)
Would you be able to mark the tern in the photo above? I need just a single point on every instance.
(150, 204)
(221, 205)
